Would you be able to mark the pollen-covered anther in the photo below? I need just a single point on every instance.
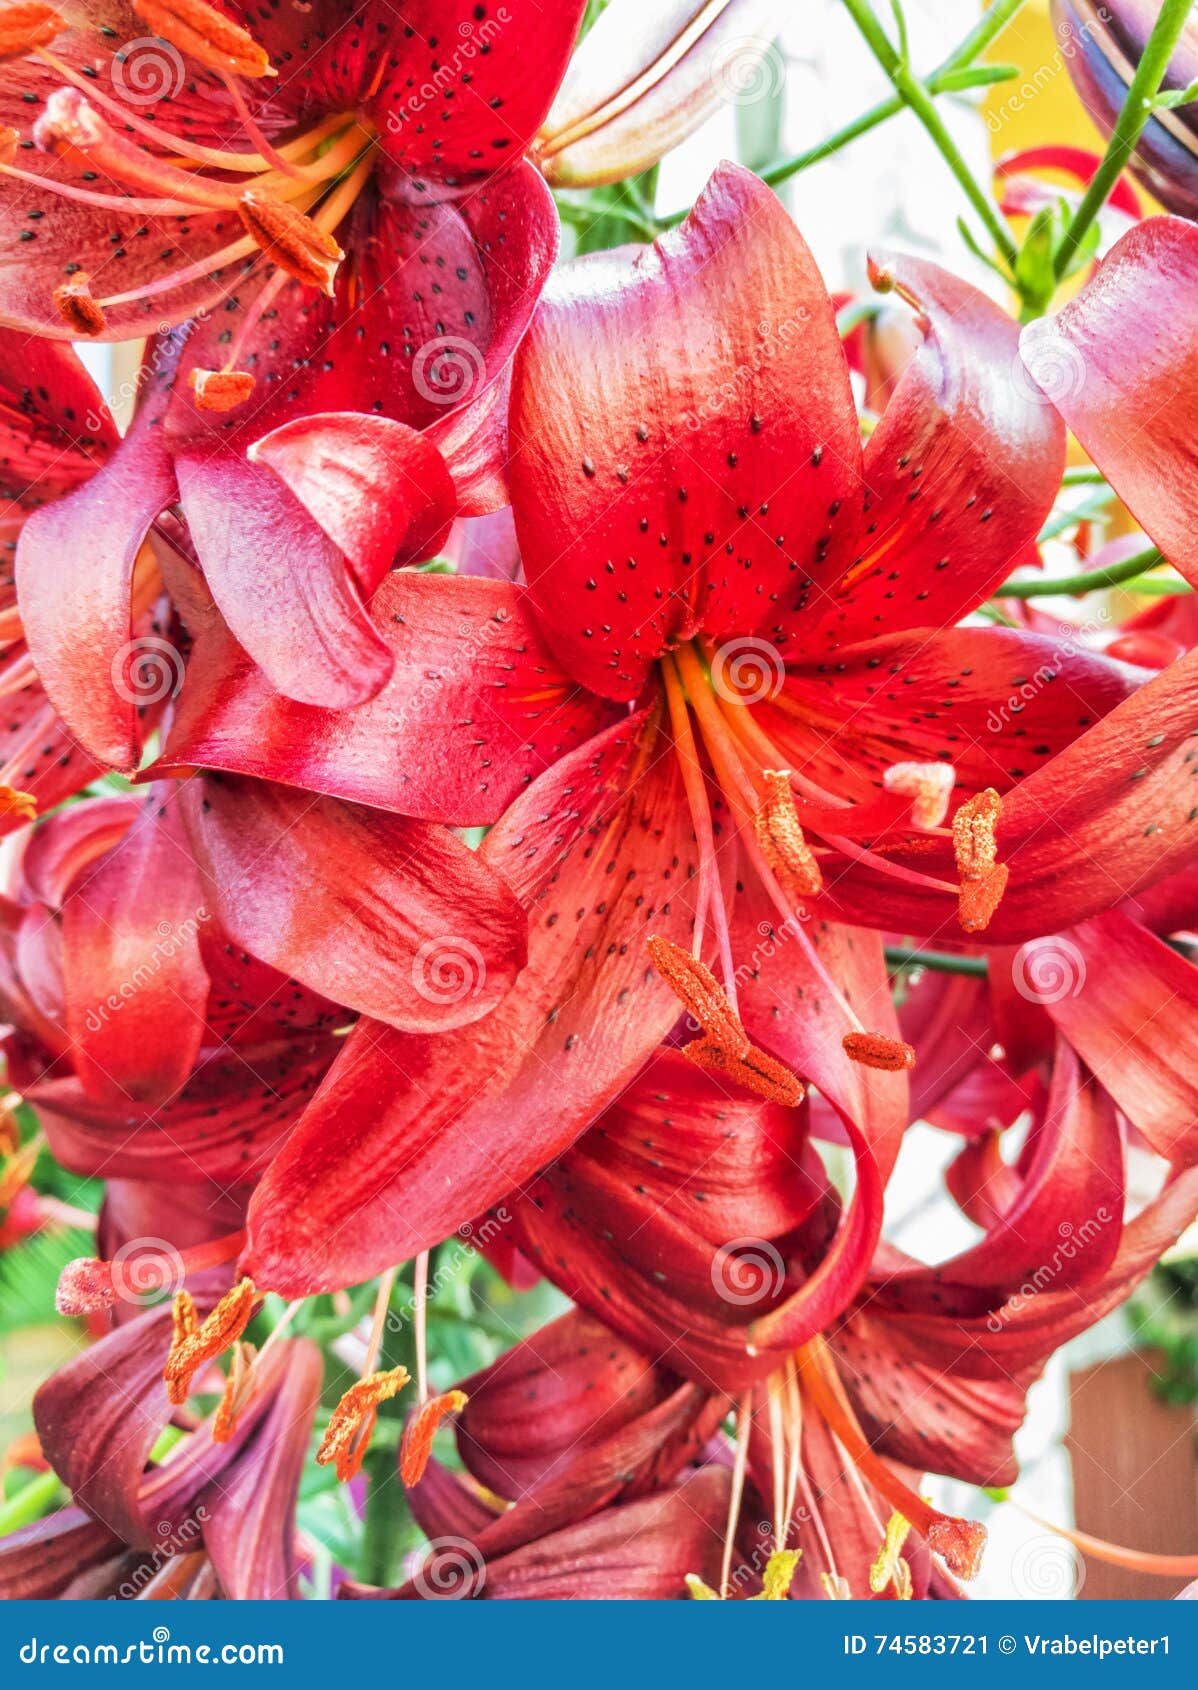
(14, 802)
(194, 1342)
(781, 839)
(700, 993)
(85, 1286)
(959, 1542)
(236, 1393)
(79, 311)
(975, 843)
(291, 240)
(875, 1050)
(889, 1557)
(977, 900)
(25, 28)
(207, 35)
(752, 1068)
(928, 786)
(69, 123)
(352, 1421)
(417, 1443)
(220, 390)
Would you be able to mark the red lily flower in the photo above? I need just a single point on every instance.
(56, 433)
(303, 494)
(217, 1519)
(151, 1040)
(674, 822)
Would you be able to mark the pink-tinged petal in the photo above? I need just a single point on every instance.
(40, 1561)
(1120, 362)
(639, 1457)
(473, 442)
(39, 754)
(1106, 818)
(946, 1019)
(640, 1551)
(249, 1512)
(99, 1416)
(1068, 1213)
(1021, 1334)
(919, 1411)
(661, 1219)
(486, 546)
(282, 585)
(685, 449)
(225, 1126)
(997, 703)
(805, 983)
(549, 1399)
(842, 1268)
(393, 918)
(1129, 1004)
(423, 322)
(601, 852)
(1025, 196)
(960, 472)
(380, 491)
(1114, 813)
(79, 638)
(644, 78)
(55, 428)
(476, 707)
(136, 986)
(465, 86)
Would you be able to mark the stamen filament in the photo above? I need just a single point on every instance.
(744, 1431)
(960, 1542)
(695, 783)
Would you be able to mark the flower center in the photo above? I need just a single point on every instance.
(290, 198)
(793, 828)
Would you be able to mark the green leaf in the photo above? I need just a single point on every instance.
(1170, 98)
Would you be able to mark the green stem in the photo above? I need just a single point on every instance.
(1051, 586)
(1137, 109)
(388, 1529)
(946, 78)
(944, 962)
(914, 94)
(1083, 475)
(30, 1503)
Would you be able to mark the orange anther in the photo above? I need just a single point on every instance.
(193, 1343)
(24, 28)
(79, 311)
(781, 839)
(291, 240)
(875, 1050)
(220, 390)
(207, 35)
(417, 1443)
(352, 1421)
